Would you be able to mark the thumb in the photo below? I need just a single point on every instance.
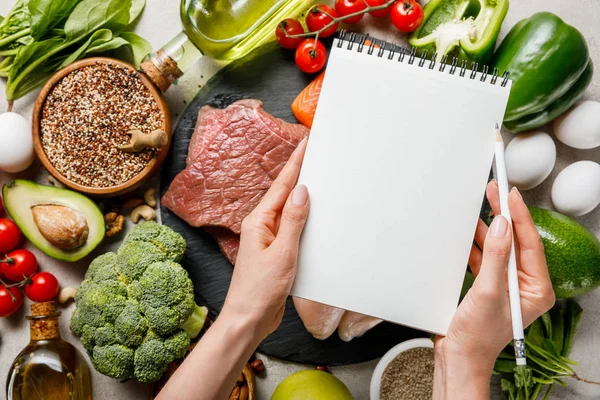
(496, 250)
(293, 218)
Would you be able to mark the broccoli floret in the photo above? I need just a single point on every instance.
(178, 344)
(135, 309)
(135, 257)
(130, 325)
(164, 238)
(105, 336)
(103, 268)
(166, 296)
(151, 360)
(87, 337)
(115, 360)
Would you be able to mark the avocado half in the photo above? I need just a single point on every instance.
(21, 196)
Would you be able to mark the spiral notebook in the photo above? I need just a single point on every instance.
(396, 166)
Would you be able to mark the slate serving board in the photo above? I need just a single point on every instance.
(270, 75)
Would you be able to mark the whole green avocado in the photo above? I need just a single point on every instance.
(572, 253)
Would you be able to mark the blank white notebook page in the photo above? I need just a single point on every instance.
(396, 167)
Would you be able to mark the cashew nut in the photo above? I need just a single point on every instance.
(66, 294)
(149, 197)
(143, 211)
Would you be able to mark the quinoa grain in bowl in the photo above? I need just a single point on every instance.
(87, 118)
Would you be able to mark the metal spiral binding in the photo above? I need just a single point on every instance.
(353, 38)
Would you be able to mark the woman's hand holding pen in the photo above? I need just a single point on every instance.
(481, 327)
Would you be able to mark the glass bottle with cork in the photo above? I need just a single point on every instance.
(48, 368)
(220, 29)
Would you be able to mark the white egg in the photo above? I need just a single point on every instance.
(530, 158)
(576, 189)
(580, 126)
(16, 144)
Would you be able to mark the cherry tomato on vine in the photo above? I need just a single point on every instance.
(8, 303)
(347, 7)
(376, 3)
(43, 286)
(292, 27)
(19, 264)
(10, 235)
(318, 17)
(407, 15)
(311, 56)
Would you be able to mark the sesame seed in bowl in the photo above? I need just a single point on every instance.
(83, 122)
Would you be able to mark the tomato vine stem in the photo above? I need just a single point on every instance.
(337, 20)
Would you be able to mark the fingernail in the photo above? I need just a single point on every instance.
(300, 195)
(499, 226)
(515, 190)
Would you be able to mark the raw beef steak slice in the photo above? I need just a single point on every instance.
(228, 242)
(234, 156)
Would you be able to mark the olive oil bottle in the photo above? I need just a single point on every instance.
(220, 29)
(48, 368)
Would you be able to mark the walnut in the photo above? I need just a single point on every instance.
(114, 223)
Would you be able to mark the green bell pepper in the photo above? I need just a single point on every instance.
(549, 66)
(466, 29)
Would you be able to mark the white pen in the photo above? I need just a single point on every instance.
(513, 279)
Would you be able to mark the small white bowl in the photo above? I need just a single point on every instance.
(389, 356)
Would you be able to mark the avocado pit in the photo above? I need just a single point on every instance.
(62, 226)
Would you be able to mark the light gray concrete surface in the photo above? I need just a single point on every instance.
(159, 22)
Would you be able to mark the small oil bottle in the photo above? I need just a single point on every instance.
(220, 29)
(48, 368)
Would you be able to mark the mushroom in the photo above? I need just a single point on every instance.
(143, 211)
(66, 294)
(140, 141)
(149, 197)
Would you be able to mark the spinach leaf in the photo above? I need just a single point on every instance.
(14, 26)
(30, 53)
(572, 318)
(46, 14)
(547, 324)
(507, 366)
(137, 6)
(100, 36)
(558, 328)
(139, 46)
(536, 333)
(91, 15)
(20, 83)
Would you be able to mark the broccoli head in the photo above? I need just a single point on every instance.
(135, 310)
(164, 238)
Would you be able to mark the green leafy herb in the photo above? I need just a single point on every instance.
(91, 15)
(548, 341)
(38, 37)
(138, 45)
(46, 14)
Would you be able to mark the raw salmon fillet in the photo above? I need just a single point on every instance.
(305, 105)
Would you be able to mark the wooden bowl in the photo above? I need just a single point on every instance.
(112, 191)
